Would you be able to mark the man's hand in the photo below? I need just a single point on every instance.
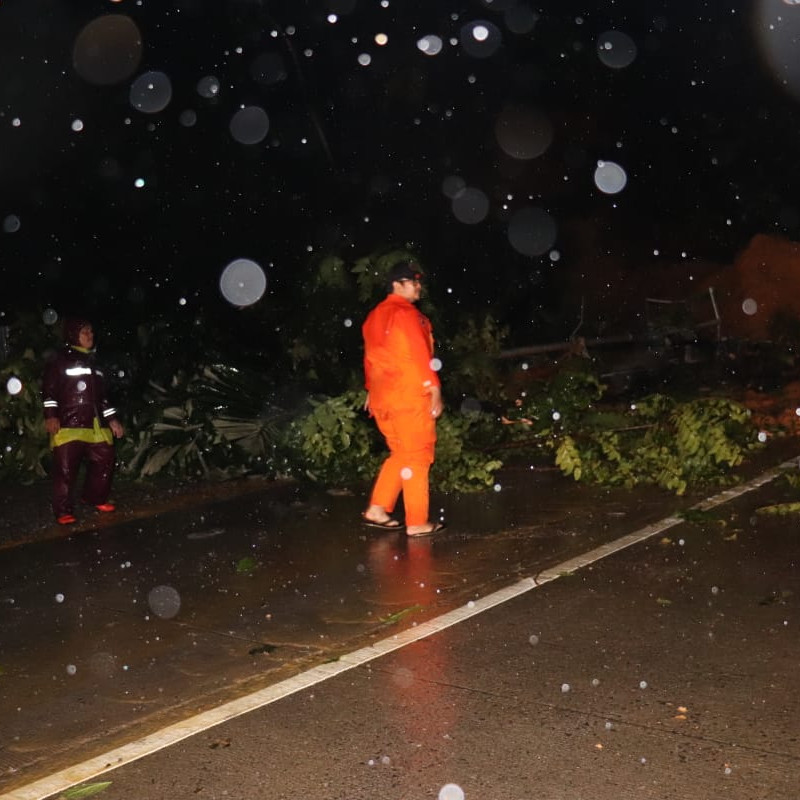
(436, 402)
(116, 428)
(52, 426)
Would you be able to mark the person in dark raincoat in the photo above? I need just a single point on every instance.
(81, 422)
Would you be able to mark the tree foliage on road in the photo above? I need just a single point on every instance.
(195, 412)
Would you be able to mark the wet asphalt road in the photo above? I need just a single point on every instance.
(109, 635)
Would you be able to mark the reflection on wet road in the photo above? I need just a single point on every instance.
(108, 635)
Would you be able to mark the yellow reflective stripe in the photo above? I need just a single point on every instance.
(94, 435)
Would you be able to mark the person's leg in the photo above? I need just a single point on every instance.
(388, 484)
(99, 471)
(412, 456)
(415, 490)
(66, 460)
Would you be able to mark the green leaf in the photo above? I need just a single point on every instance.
(397, 616)
(779, 509)
(246, 564)
(87, 790)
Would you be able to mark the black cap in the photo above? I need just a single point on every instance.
(402, 271)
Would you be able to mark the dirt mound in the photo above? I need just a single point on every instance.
(763, 282)
(776, 411)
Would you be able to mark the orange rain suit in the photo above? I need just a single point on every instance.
(398, 348)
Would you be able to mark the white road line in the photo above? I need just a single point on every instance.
(166, 737)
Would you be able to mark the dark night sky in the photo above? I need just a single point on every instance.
(356, 155)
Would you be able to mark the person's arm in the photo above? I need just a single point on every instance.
(50, 399)
(418, 355)
(437, 406)
(106, 409)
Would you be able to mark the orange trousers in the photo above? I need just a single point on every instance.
(411, 437)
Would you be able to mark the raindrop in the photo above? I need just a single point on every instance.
(59, 598)
(471, 206)
(453, 186)
(616, 49)
(103, 665)
(188, 118)
(609, 726)
(249, 125)
(77, 125)
(565, 687)
(208, 87)
(435, 364)
(533, 639)
(642, 684)
(610, 177)
(430, 45)
(497, 487)
(522, 132)
(406, 473)
(348, 323)
(71, 669)
(12, 223)
(164, 601)
(50, 316)
(556, 416)
(451, 791)
(480, 39)
(268, 69)
(381, 39)
(139, 183)
(151, 92)
(242, 282)
(715, 590)
(520, 19)
(403, 677)
(470, 405)
(777, 37)
(532, 231)
(108, 50)
(365, 59)
(595, 682)
(14, 385)
(749, 306)
(385, 760)
(762, 436)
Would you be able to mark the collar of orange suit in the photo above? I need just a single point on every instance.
(395, 298)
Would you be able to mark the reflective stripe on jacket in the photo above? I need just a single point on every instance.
(73, 392)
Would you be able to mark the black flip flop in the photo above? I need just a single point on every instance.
(389, 525)
(437, 527)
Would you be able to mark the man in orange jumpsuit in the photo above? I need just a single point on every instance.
(405, 398)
